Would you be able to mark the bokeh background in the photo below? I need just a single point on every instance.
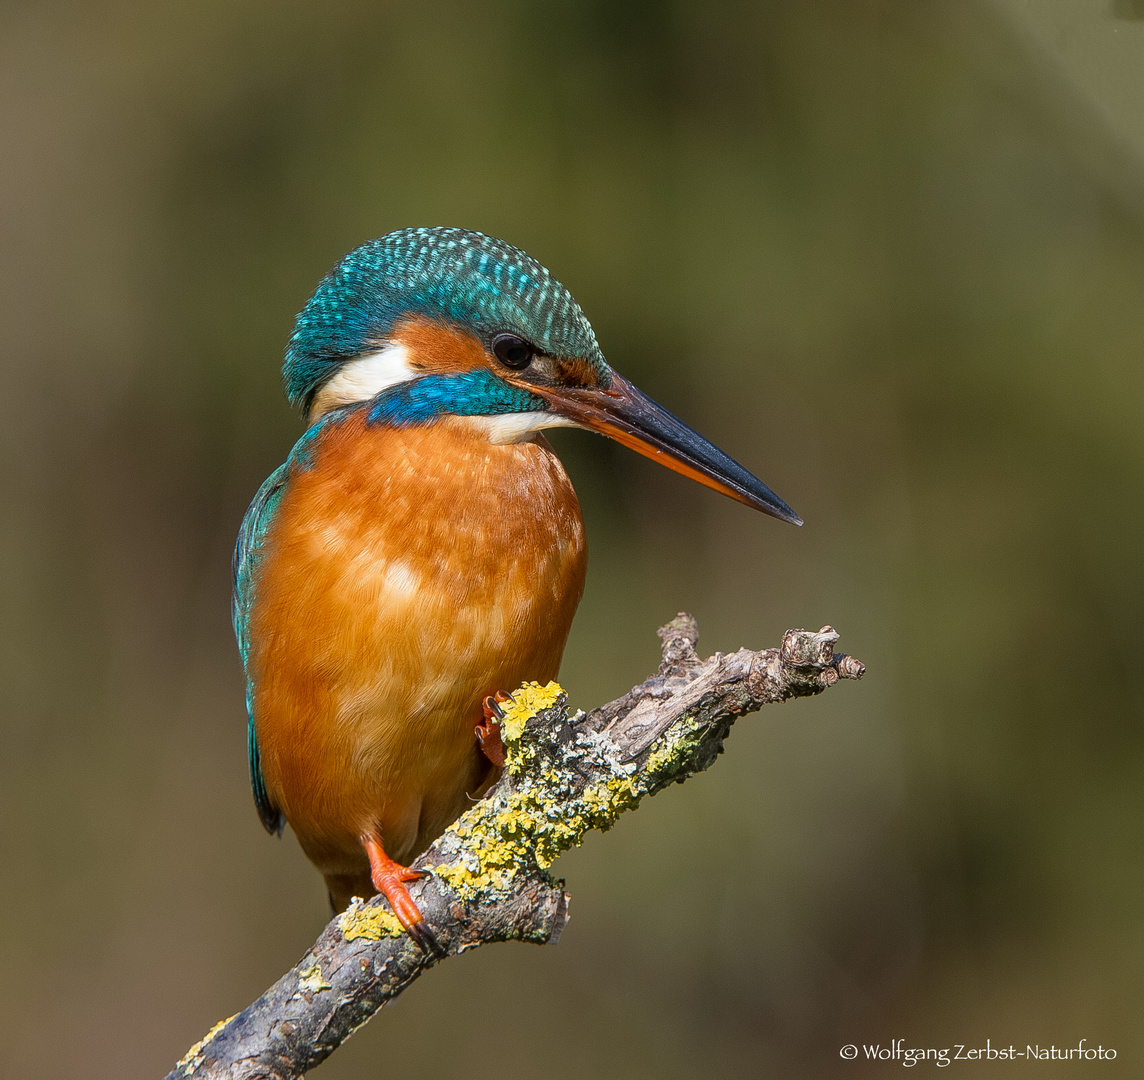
(889, 254)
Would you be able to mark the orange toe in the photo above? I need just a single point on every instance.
(390, 879)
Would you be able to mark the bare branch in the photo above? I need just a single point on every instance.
(564, 775)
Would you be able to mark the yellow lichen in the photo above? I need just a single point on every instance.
(675, 745)
(310, 978)
(526, 702)
(372, 923)
(539, 818)
(195, 1056)
(542, 815)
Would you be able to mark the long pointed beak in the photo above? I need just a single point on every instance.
(625, 413)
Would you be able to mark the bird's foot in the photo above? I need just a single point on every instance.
(488, 730)
(390, 879)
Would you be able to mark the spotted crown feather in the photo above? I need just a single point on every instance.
(455, 275)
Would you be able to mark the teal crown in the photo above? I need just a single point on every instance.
(452, 275)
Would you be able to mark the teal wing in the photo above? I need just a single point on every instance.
(247, 550)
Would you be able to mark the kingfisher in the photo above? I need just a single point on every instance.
(421, 550)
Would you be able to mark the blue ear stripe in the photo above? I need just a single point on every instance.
(468, 393)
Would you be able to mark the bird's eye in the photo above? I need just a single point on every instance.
(512, 351)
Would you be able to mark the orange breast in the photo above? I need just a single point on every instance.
(408, 574)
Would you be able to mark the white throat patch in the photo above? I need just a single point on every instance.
(516, 427)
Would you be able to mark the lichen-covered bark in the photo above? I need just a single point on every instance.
(564, 775)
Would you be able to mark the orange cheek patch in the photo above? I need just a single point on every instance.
(436, 348)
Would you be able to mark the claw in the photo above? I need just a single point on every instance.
(488, 730)
(390, 879)
(492, 704)
(425, 938)
(492, 709)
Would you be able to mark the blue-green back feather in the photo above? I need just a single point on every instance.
(247, 550)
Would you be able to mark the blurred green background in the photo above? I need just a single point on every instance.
(889, 254)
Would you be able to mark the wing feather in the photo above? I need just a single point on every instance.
(255, 525)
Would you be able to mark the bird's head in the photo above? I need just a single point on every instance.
(424, 323)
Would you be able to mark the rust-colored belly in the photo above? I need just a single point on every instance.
(408, 574)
